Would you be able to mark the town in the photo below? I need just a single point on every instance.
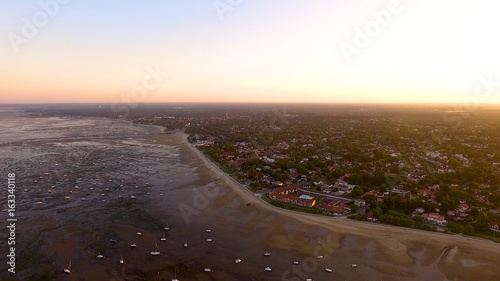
(402, 165)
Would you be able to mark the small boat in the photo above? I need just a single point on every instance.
(329, 269)
(113, 241)
(166, 228)
(133, 245)
(354, 265)
(309, 279)
(163, 239)
(268, 269)
(207, 269)
(185, 244)
(99, 256)
(132, 197)
(139, 233)
(320, 257)
(295, 262)
(121, 260)
(175, 276)
(68, 270)
(267, 254)
(237, 261)
(156, 252)
(209, 230)
(209, 240)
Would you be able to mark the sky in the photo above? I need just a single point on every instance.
(336, 51)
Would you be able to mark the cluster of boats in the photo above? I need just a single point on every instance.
(156, 252)
(327, 269)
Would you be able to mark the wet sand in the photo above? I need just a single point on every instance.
(175, 184)
(397, 245)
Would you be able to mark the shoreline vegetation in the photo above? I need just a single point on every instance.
(340, 224)
(292, 207)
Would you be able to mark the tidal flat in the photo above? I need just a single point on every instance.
(87, 186)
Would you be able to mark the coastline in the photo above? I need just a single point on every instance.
(397, 240)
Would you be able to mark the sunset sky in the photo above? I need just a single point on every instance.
(255, 51)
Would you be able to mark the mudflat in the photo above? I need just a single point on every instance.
(87, 186)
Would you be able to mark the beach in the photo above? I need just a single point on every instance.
(397, 242)
(76, 192)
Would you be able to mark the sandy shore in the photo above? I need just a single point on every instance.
(397, 241)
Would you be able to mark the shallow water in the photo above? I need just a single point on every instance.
(91, 177)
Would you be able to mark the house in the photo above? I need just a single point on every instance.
(495, 226)
(425, 192)
(371, 217)
(399, 189)
(419, 210)
(287, 195)
(336, 206)
(434, 218)
(306, 185)
(462, 208)
(360, 202)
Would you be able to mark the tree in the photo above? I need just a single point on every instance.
(454, 227)
(354, 208)
(377, 212)
(468, 229)
(356, 192)
(481, 224)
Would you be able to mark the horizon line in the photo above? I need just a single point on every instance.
(258, 102)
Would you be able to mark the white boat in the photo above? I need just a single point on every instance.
(309, 279)
(139, 233)
(329, 268)
(268, 269)
(132, 197)
(209, 240)
(166, 228)
(185, 244)
(121, 260)
(295, 262)
(99, 256)
(267, 254)
(175, 276)
(237, 261)
(156, 252)
(133, 245)
(207, 269)
(68, 270)
(320, 257)
(163, 239)
(354, 265)
(209, 230)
